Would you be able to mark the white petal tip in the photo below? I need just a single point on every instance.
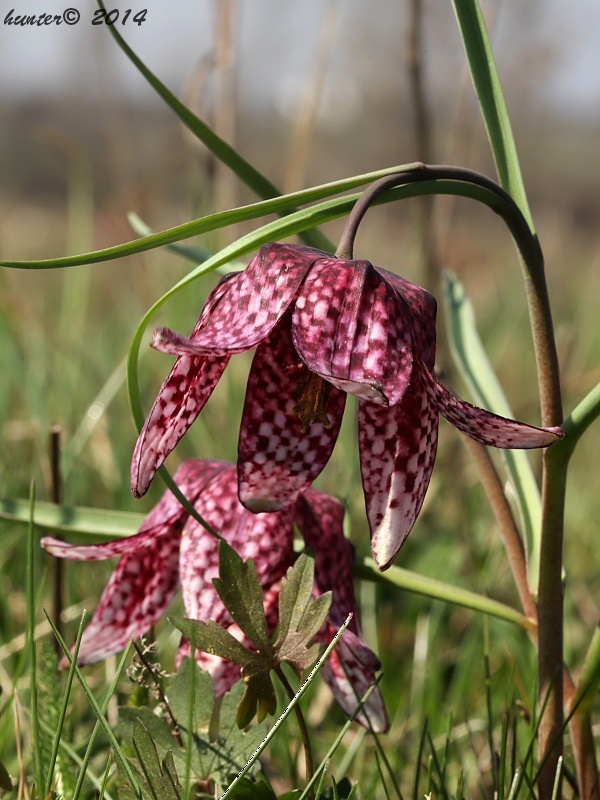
(258, 505)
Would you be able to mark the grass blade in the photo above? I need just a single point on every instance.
(491, 100)
(100, 711)
(31, 606)
(63, 710)
(73, 519)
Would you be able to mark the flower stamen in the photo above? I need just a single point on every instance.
(312, 395)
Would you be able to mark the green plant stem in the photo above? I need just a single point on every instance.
(308, 756)
(575, 425)
(366, 569)
(551, 621)
(581, 700)
(555, 476)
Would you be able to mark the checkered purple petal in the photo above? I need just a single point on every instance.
(181, 398)
(136, 595)
(397, 452)
(166, 516)
(483, 426)
(253, 301)
(423, 311)
(349, 672)
(99, 552)
(320, 521)
(276, 461)
(350, 326)
(266, 538)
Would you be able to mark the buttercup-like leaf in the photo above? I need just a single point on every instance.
(178, 695)
(295, 594)
(315, 616)
(259, 699)
(295, 652)
(211, 638)
(239, 588)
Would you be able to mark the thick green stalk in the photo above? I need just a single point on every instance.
(550, 623)
(493, 106)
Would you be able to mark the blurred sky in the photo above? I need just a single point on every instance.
(553, 42)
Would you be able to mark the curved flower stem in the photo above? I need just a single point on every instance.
(550, 602)
(308, 756)
(529, 249)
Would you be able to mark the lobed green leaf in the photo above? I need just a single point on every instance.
(295, 594)
(240, 590)
(212, 638)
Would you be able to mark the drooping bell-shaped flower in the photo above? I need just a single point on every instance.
(322, 327)
(172, 549)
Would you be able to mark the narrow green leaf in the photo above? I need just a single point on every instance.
(404, 579)
(476, 371)
(589, 680)
(54, 712)
(254, 179)
(577, 423)
(100, 711)
(73, 520)
(31, 646)
(240, 590)
(491, 99)
(290, 225)
(197, 255)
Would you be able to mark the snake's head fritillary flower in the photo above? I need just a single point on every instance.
(322, 327)
(172, 549)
